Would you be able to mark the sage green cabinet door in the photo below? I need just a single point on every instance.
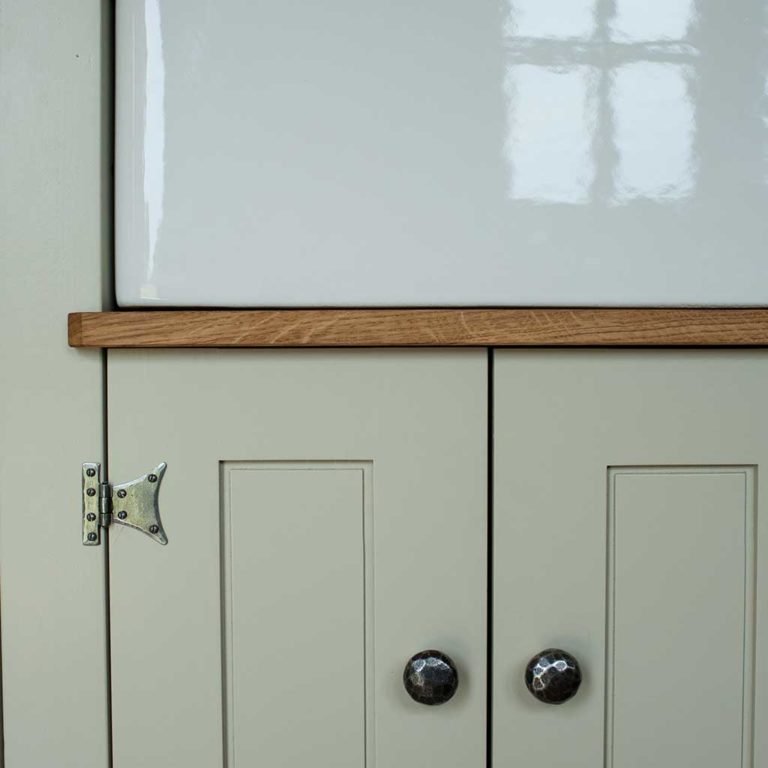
(326, 516)
(627, 523)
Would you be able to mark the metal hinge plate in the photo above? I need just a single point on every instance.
(134, 504)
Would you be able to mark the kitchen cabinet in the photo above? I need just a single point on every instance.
(331, 513)
(627, 522)
(326, 515)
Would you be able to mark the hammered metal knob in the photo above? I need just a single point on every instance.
(430, 677)
(553, 676)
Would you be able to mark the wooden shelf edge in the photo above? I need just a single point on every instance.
(419, 328)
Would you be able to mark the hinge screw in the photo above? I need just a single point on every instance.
(90, 472)
(91, 537)
(91, 491)
(91, 517)
(153, 529)
(121, 493)
(152, 478)
(122, 514)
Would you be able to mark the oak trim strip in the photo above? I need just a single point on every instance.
(419, 328)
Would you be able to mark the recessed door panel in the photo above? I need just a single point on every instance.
(627, 523)
(327, 519)
(294, 595)
(680, 616)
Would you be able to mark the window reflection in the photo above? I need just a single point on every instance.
(551, 159)
(640, 21)
(653, 124)
(597, 92)
(154, 131)
(551, 19)
(765, 120)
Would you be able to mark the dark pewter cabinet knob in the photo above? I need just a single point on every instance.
(553, 676)
(430, 677)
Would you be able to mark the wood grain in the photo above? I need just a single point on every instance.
(420, 328)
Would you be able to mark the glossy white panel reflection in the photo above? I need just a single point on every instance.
(446, 152)
(551, 19)
(638, 21)
(154, 131)
(551, 160)
(654, 129)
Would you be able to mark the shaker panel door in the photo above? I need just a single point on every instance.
(627, 523)
(326, 516)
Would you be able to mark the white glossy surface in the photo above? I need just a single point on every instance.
(448, 152)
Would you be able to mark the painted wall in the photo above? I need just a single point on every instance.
(54, 241)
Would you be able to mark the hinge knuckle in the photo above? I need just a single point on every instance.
(105, 505)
